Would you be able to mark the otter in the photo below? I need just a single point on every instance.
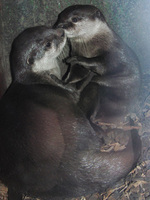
(105, 71)
(48, 148)
(2, 84)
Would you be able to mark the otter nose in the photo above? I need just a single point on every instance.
(60, 32)
(60, 26)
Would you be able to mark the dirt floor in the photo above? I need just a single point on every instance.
(136, 186)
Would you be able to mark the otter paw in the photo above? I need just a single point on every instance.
(54, 77)
(73, 60)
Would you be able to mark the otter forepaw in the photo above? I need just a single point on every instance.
(79, 60)
(73, 60)
(57, 80)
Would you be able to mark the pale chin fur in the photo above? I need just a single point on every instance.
(49, 61)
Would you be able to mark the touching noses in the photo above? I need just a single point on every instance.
(60, 32)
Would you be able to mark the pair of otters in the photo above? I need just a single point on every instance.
(48, 148)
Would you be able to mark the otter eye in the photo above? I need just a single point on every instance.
(74, 19)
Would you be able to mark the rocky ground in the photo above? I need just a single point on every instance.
(136, 186)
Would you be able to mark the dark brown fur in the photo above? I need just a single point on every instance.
(2, 84)
(47, 147)
(111, 87)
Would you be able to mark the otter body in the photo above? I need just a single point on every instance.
(48, 149)
(103, 67)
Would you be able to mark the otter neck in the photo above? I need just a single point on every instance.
(40, 73)
(92, 45)
(50, 65)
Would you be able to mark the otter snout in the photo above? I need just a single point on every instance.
(64, 25)
(58, 25)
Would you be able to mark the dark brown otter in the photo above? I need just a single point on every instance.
(48, 149)
(2, 84)
(105, 68)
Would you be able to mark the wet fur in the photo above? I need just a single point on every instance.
(48, 149)
(111, 89)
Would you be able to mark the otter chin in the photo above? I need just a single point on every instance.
(48, 148)
(104, 70)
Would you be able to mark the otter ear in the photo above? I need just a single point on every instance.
(30, 61)
(97, 14)
(31, 57)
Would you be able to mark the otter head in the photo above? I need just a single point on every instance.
(80, 20)
(35, 50)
